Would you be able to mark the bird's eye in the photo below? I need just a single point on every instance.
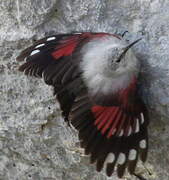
(120, 58)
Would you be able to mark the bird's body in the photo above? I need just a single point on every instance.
(95, 79)
(100, 74)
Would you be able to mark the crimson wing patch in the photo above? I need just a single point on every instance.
(120, 122)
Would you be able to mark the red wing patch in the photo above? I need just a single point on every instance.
(66, 47)
(114, 121)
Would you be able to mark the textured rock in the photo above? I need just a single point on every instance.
(34, 143)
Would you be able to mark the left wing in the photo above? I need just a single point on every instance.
(112, 135)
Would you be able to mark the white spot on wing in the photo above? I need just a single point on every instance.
(142, 118)
(129, 131)
(143, 144)
(40, 45)
(132, 154)
(51, 38)
(137, 126)
(121, 159)
(121, 133)
(78, 33)
(110, 158)
(34, 52)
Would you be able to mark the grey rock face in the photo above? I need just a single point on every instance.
(35, 143)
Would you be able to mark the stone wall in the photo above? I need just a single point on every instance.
(35, 143)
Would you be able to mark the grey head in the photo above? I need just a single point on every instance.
(122, 57)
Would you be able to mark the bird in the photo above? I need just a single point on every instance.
(95, 78)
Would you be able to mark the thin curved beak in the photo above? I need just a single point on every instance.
(130, 45)
(127, 48)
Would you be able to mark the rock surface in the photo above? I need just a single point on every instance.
(34, 143)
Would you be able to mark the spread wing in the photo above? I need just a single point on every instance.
(112, 135)
(54, 59)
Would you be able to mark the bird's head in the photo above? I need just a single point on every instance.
(121, 58)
